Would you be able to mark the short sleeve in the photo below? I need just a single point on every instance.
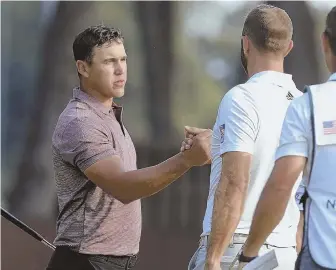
(83, 143)
(295, 129)
(238, 121)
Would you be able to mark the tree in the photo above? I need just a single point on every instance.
(156, 24)
(34, 183)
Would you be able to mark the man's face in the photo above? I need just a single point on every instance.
(327, 51)
(107, 73)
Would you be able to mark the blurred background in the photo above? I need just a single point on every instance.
(183, 57)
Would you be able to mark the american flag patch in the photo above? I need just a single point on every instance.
(329, 127)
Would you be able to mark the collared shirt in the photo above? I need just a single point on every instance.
(296, 138)
(91, 221)
(249, 120)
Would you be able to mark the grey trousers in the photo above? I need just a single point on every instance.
(305, 261)
(112, 263)
(230, 257)
(64, 258)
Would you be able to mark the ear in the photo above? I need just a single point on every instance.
(83, 68)
(290, 47)
(325, 43)
(246, 44)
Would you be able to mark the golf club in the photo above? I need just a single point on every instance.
(25, 228)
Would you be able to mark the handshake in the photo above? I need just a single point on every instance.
(196, 146)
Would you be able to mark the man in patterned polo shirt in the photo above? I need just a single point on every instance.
(98, 184)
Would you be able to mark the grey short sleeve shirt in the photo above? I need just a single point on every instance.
(90, 220)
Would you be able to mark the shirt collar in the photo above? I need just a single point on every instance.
(332, 77)
(94, 103)
(274, 77)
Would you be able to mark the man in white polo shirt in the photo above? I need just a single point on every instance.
(308, 145)
(245, 137)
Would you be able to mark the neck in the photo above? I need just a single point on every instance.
(265, 63)
(107, 102)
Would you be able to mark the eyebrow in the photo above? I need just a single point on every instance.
(115, 58)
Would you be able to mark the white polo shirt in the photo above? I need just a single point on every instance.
(249, 119)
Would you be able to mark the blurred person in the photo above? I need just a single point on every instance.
(97, 182)
(308, 145)
(244, 141)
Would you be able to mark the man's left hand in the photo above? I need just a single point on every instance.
(190, 133)
(187, 143)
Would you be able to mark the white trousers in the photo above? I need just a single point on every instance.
(286, 259)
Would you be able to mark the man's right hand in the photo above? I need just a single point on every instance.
(198, 152)
(189, 133)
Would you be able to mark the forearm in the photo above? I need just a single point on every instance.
(228, 207)
(299, 233)
(148, 181)
(268, 214)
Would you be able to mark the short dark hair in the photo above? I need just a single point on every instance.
(269, 28)
(330, 30)
(94, 36)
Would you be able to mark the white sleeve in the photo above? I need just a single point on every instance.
(238, 121)
(294, 140)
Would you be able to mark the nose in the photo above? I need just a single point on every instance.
(119, 68)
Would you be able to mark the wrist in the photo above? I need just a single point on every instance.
(184, 160)
(212, 260)
(210, 264)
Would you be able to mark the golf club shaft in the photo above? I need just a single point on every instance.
(25, 228)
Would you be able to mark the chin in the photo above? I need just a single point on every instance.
(118, 93)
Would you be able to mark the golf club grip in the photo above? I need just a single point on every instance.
(20, 224)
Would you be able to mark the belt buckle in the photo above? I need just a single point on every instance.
(134, 258)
